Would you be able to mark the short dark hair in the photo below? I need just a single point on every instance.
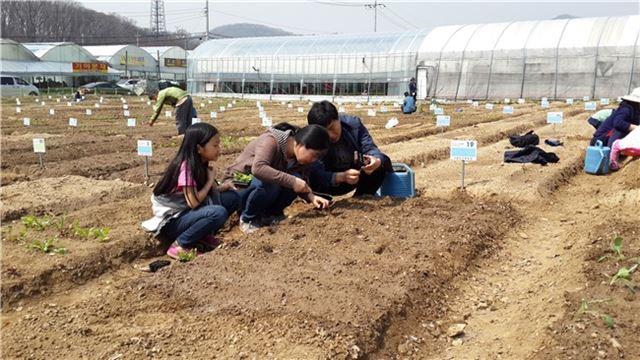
(153, 93)
(313, 137)
(322, 113)
(406, 93)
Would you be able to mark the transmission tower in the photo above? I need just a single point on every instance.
(158, 21)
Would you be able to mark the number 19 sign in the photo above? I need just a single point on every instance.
(145, 148)
(464, 150)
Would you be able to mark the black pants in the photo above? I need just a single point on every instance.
(608, 140)
(367, 184)
(184, 113)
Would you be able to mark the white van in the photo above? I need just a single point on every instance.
(14, 86)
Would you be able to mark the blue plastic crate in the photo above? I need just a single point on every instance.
(399, 183)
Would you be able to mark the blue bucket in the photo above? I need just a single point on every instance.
(596, 161)
(399, 183)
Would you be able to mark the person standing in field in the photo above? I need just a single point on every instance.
(177, 98)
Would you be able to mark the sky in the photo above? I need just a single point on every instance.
(345, 16)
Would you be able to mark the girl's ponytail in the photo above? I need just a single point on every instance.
(285, 126)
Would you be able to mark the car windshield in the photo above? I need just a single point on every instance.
(21, 82)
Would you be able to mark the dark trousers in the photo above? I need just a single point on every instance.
(609, 138)
(184, 115)
(262, 199)
(367, 184)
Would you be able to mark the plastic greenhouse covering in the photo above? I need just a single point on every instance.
(594, 57)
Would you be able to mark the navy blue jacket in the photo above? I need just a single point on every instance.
(355, 134)
(620, 120)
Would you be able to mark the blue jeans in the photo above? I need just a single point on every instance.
(191, 227)
(264, 199)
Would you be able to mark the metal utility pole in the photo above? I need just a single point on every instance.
(206, 13)
(158, 21)
(374, 6)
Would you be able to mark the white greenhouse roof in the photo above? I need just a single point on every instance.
(11, 50)
(60, 51)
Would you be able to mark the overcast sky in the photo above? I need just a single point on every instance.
(343, 16)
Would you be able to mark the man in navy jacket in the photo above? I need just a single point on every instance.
(624, 119)
(340, 171)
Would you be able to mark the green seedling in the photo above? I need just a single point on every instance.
(608, 320)
(623, 273)
(242, 178)
(603, 258)
(186, 256)
(37, 223)
(60, 251)
(61, 224)
(102, 234)
(79, 231)
(616, 246)
(43, 245)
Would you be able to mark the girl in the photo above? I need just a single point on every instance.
(275, 160)
(629, 146)
(187, 205)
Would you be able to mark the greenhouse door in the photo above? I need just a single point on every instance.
(424, 76)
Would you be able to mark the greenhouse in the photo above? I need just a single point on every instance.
(171, 59)
(132, 60)
(594, 57)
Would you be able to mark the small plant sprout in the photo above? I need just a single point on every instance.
(37, 223)
(60, 251)
(624, 275)
(79, 231)
(61, 224)
(616, 246)
(102, 234)
(186, 256)
(608, 320)
(43, 245)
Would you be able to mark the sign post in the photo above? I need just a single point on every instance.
(554, 118)
(145, 148)
(39, 148)
(442, 121)
(464, 150)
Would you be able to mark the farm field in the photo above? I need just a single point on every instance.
(519, 265)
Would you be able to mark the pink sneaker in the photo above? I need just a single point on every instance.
(614, 166)
(176, 250)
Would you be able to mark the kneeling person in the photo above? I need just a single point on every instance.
(342, 170)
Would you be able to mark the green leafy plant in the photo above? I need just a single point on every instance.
(79, 231)
(60, 251)
(102, 233)
(186, 256)
(37, 223)
(608, 320)
(61, 224)
(616, 246)
(43, 245)
(243, 178)
(623, 273)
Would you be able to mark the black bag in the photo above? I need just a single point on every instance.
(530, 154)
(523, 140)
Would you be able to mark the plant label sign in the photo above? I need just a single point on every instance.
(569, 101)
(358, 106)
(126, 113)
(383, 109)
(585, 98)
(283, 102)
(213, 115)
(101, 99)
(520, 101)
(195, 121)
(300, 109)
(125, 107)
(229, 105)
(507, 109)
(145, 148)
(443, 120)
(604, 101)
(590, 106)
(289, 106)
(131, 122)
(507, 100)
(266, 121)
(222, 108)
(488, 106)
(167, 113)
(438, 111)
(88, 112)
(57, 100)
(201, 104)
(465, 150)
(73, 122)
(544, 104)
(18, 102)
(257, 103)
(262, 114)
(371, 112)
(52, 112)
(475, 104)
(545, 99)
(209, 101)
(341, 110)
(68, 103)
(233, 102)
(18, 110)
(554, 117)
(26, 122)
(42, 103)
(38, 146)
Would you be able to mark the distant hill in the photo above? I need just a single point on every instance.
(565, 16)
(247, 30)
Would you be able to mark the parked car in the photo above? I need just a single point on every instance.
(102, 87)
(14, 86)
(128, 84)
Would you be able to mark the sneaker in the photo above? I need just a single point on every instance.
(211, 242)
(249, 226)
(175, 250)
(269, 220)
(614, 166)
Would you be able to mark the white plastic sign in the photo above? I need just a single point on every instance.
(521, 101)
(73, 122)
(488, 106)
(358, 106)
(42, 103)
(554, 117)
(52, 112)
(167, 113)
(289, 106)
(604, 101)
(258, 103)
(569, 101)
(222, 108)
(262, 114)
(209, 101)
(125, 107)
(383, 109)
(507, 100)
(585, 98)
(131, 122)
(438, 111)
(201, 104)
(38, 145)
(475, 104)
(544, 104)
(507, 109)
(590, 106)
(57, 100)
(229, 105)
(466, 150)
(233, 102)
(126, 113)
(341, 109)
(26, 122)
(266, 121)
(213, 114)
(195, 121)
(18, 110)
(88, 112)
(443, 120)
(371, 112)
(96, 105)
(68, 103)
(300, 109)
(145, 148)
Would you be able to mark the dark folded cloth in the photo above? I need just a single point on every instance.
(530, 154)
(523, 140)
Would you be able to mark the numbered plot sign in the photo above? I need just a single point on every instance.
(590, 106)
(145, 148)
(585, 98)
(167, 114)
(289, 106)
(266, 121)
(544, 104)
(443, 120)
(101, 99)
(38, 145)
(358, 106)
(126, 113)
(438, 111)
(26, 122)
(18, 110)
(17, 101)
(131, 122)
(507, 109)
(371, 112)
(73, 122)
(507, 100)
(554, 117)
(88, 112)
(209, 101)
(466, 150)
(283, 102)
(488, 106)
(383, 109)
(201, 104)
(42, 103)
(229, 105)
(262, 114)
(195, 121)
(233, 102)
(569, 101)
(475, 104)
(68, 103)
(125, 107)
(222, 108)
(520, 101)
(341, 109)
(52, 112)
(213, 114)
(57, 100)
(258, 103)
(300, 109)
(96, 105)
(604, 101)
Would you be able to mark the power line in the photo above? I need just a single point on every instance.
(271, 24)
(401, 18)
(393, 21)
(336, 3)
(375, 6)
